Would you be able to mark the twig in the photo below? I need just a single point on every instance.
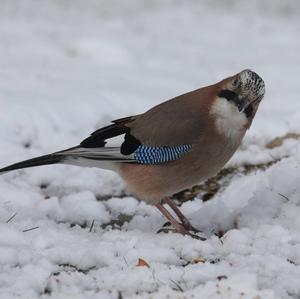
(12, 217)
(125, 261)
(92, 225)
(177, 285)
(285, 197)
(29, 229)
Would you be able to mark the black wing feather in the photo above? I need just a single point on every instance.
(99, 137)
(129, 145)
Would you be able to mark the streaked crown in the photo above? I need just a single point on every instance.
(249, 84)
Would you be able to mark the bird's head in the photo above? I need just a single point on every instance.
(237, 101)
(245, 90)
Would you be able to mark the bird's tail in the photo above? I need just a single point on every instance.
(87, 157)
(42, 160)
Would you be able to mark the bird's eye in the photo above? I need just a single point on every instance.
(235, 82)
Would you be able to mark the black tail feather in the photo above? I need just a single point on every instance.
(42, 160)
(78, 156)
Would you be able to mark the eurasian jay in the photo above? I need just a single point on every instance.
(172, 146)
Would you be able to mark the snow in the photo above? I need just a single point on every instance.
(69, 67)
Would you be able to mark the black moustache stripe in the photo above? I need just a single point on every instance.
(227, 94)
(249, 111)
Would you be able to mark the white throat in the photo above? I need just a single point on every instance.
(228, 120)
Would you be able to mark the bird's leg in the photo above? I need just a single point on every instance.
(179, 228)
(185, 222)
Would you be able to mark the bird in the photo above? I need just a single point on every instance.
(173, 146)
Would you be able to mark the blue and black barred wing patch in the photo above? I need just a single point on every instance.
(159, 155)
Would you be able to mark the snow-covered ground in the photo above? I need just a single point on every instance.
(69, 67)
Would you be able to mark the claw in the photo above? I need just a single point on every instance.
(189, 227)
(168, 223)
(181, 231)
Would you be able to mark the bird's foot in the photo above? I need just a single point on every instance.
(187, 225)
(180, 229)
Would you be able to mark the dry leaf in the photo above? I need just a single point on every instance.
(142, 263)
(198, 259)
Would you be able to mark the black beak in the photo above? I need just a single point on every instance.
(241, 103)
(244, 103)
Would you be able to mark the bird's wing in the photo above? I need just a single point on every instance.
(179, 121)
(162, 134)
(99, 137)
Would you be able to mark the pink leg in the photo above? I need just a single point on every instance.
(185, 222)
(179, 228)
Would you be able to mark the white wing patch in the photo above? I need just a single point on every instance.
(228, 120)
(100, 157)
